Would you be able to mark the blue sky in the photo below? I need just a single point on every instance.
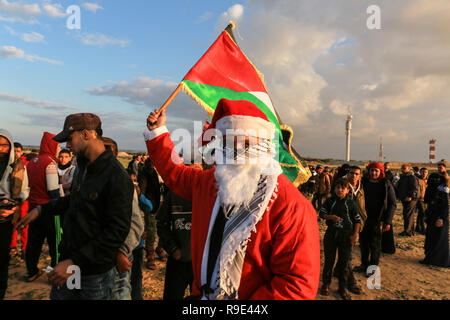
(318, 58)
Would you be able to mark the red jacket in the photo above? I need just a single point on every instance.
(36, 171)
(282, 260)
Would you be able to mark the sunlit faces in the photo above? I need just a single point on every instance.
(18, 152)
(374, 173)
(5, 147)
(341, 191)
(64, 158)
(353, 176)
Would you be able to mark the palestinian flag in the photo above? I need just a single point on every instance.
(225, 72)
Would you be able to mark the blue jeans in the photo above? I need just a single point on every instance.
(122, 286)
(95, 287)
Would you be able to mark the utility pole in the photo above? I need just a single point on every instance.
(348, 128)
(380, 155)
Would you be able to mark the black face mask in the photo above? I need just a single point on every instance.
(64, 167)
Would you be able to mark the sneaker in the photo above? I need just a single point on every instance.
(344, 294)
(361, 268)
(325, 290)
(354, 288)
(161, 254)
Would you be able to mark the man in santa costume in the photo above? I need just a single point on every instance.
(253, 236)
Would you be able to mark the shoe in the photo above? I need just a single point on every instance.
(361, 268)
(34, 277)
(344, 294)
(161, 254)
(404, 234)
(325, 290)
(354, 288)
(151, 260)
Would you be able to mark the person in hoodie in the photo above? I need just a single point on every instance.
(66, 170)
(13, 191)
(44, 187)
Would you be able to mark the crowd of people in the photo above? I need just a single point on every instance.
(228, 232)
(361, 204)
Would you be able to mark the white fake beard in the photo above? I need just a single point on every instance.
(236, 185)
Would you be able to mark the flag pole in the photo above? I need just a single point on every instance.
(170, 99)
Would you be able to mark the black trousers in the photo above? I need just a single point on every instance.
(39, 230)
(408, 216)
(370, 243)
(179, 276)
(5, 247)
(420, 224)
(337, 240)
(136, 274)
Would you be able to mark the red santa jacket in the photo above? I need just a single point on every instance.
(282, 260)
(36, 170)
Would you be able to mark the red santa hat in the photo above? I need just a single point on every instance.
(240, 117)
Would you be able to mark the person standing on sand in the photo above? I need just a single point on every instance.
(436, 237)
(380, 204)
(97, 213)
(13, 191)
(408, 193)
(254, 235)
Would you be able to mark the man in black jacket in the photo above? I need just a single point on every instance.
(97, 214)
(408, 193)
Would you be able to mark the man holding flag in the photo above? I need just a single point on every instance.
(254, 236)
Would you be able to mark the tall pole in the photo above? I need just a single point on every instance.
(380, 155)
(348, 128)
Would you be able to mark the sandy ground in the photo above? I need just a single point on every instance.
(402, 277)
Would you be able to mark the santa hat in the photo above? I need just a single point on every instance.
(240, 117)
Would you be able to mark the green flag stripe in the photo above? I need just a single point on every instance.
(212, 94)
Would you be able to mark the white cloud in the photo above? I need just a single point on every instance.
(55, 10)
(33, 37)
(19, 12)
(93, 7)
(39, 104)
(101, 40)
(234, 13)
(9, 52)
(19, 9)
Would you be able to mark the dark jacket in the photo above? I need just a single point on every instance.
(408, 186)
(389, 206)
(97, 214)
(345, 209)
(149, 185)
(173, 221)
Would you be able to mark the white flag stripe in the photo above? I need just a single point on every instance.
(264, 97)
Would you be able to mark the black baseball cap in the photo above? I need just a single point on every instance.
(78, 122)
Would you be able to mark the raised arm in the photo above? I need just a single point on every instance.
(180, 178)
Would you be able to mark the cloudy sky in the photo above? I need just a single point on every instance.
(318, 57)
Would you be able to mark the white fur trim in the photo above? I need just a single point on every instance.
(246, 126)
(150, 135)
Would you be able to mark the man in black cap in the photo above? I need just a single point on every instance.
(97, 214)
